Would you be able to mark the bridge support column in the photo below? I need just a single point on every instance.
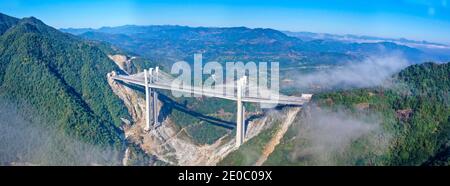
(240, 118)
(151, 77)
(155, 108)
(147, 101)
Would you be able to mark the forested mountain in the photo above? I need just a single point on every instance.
(407, 123)
(60, 79)
(6, 22)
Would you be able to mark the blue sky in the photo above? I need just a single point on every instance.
(413, 19)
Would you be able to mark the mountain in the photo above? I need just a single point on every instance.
(359, 39)
(57, 82)
(6, 22)
(405, 123)
(180, 42)
(172, 43)
(440, 52)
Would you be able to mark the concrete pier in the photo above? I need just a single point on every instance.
(150, 77)
(155, 108)
(147, 101)
(240, 118)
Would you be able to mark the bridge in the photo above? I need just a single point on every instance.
(153, 79)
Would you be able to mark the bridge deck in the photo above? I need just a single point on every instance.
(285, 100)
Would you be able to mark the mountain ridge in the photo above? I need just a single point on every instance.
(63, 78)
(173, 43)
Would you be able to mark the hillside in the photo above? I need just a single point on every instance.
(407, 123)
(58, 82)
(6, 22)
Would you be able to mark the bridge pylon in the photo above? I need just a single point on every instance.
(150, 76)
(147, 101)
(240, 114)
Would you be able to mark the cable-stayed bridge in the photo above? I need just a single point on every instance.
(242, 90)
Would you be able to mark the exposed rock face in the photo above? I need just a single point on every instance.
(270, 146)
(170, 143)
(122, 61)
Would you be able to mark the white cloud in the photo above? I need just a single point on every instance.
(370, 72)
(328, 134)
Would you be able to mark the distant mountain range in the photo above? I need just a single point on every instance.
(439, 50)
(307, 36)
(171, 43)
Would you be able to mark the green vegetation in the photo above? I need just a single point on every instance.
(137, 157)
(201, 131)
(415, 113)
(251, 150)
(63, 79)
(204, 131)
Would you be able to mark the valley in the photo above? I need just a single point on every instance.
(374, 103)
